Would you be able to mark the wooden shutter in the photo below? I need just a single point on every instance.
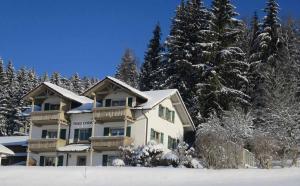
(60, 161)
(169, 142)
(162, 138)
(128, 131)
(173, 116)
(76, 133)
(42, 160)
(104, 160)
(130, 102)
(108, 103)
(152, 135)
(89, 133)
(44, 133)
(63, 133)
(106, 131)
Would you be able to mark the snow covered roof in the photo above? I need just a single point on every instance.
(5, 151)
(155, 97)
(61, 91)
(68, 94)
(74, 148)
(118, 82)
(14, 140)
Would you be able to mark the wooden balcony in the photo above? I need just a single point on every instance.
(45, 145)
(110, 142)
(106, 114)
(48, 117)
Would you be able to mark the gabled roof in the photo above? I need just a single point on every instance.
(119, 83)
(61, 91)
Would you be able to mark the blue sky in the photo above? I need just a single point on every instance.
(90, 36)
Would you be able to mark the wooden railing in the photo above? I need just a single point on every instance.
(48, 117)
(112, 113)
(110, 142)
(45, 145)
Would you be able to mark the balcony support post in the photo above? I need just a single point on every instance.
(125, 127)
(91, 146)
(30, 131)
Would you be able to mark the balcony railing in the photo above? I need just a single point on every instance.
(110, 142)
(48, 117)
(112, 113)
(45, 145)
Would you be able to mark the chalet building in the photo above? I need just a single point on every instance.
(71, 130)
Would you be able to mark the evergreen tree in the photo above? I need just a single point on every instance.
(76, 84)
(86, 83)
(265, 60)
(151, 69)
(226, 76)
(127, 70)
(3, 99)
(188, 52)
(45, 78)
(56, 79)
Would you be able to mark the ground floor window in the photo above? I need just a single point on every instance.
(172, 143)
(47, 161)
(108, 159)
(81, 161)
(157, 136)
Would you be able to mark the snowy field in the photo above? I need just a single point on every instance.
(97, 176)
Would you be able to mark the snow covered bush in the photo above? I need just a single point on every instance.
(128, 154)
(264, 148)
(182, 156)
(149, 155)
(118, 163)
(219, 142)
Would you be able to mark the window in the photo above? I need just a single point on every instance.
(108, 159)
(172, 143)
(47, 161)
(100, 103)
(166, 113)
(156, 136)
(116, 131)
(82, 134)
(116, 103)
(49, 134)
(81, 161)
(49, 106)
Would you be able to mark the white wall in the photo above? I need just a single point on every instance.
(174, 130)
(78, 121)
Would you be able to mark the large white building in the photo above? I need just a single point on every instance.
(72, 130)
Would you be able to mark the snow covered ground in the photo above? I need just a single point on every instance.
(107, 176)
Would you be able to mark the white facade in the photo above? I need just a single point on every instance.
(114, 114)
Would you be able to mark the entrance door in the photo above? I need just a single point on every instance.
(81, 161)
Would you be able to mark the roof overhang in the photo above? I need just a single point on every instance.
(89, 92)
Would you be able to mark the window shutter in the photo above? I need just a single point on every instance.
(76, 133)
(44, 133)
(169, 142)
(152, 135)
(63, 133)
(106, 131)
(130, 102)
(47, 106)
(108, 103)
(104, 160)
(128, 131)
(162, 138)
(42, 160)
(60, 161)
(173, 116)
(161, 111)
(90, 132)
